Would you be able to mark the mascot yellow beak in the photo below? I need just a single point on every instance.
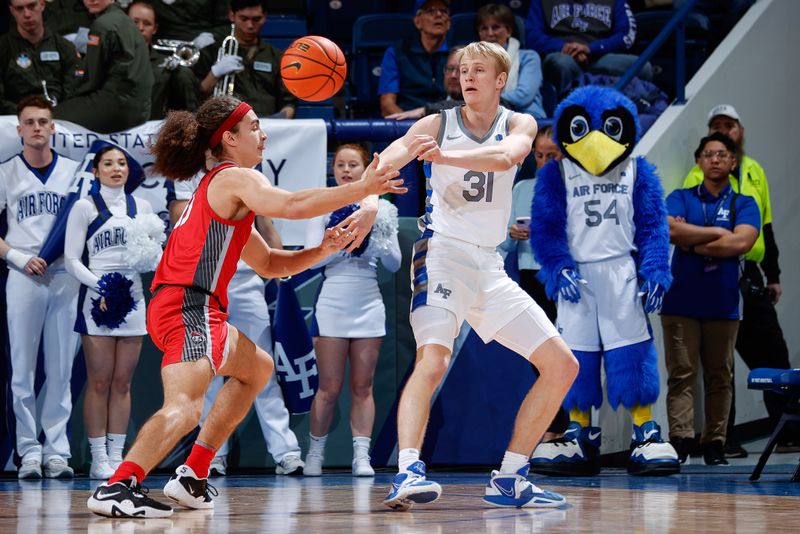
(595, 151)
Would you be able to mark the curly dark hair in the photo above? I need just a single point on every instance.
(180, 148)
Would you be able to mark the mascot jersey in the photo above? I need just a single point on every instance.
(471, 206)
(600, 211)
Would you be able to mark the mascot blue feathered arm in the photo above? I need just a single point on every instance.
(652, 228)
(549, 227)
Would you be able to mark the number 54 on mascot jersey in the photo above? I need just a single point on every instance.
(599, 229)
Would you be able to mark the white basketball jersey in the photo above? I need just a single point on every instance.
(472, 206)
(600, 211)
(33, 201)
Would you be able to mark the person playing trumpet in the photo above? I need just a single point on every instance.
(255, 64)
(175, 85)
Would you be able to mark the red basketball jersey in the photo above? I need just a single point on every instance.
(203, 249)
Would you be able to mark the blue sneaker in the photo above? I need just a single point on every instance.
(516, 491)
(650, 454)
(410, 487)
(577, 453)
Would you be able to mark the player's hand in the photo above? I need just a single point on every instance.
(519, 232)
(379, 180)
(36, 266)
(425, 148)
(569, 285)
(335, 238)
(103, 306)
(227, 65)
(654, 296)
(359, 224)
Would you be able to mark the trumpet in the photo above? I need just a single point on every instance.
(184, 53)
(230, 47)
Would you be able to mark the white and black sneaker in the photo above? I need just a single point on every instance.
(186, 489)
(125, 499)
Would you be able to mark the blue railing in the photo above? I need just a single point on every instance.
(677, 24)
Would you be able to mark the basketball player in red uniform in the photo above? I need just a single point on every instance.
(187, 316)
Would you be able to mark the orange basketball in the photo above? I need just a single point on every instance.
(313, 68)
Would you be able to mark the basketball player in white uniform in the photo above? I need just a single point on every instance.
(249, 313)
(41, 298)
(458, 275)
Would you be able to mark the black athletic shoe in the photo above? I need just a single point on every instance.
(125, 499)
(186, 489)
(733, 449)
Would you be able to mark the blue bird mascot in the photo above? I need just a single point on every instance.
(599, 229)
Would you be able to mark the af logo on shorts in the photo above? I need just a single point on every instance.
(443, 291)
(198, 338)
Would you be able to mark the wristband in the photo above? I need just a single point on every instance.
(17, 258)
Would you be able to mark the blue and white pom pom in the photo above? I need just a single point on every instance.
(384, 229)
(116, 289)
(144, 239)
(341, 214)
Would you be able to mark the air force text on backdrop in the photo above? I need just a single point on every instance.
(294, 157)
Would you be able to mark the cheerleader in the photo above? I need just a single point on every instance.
(349, 319)
(101, 252)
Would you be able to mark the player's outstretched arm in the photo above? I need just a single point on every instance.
(278, 263)
(255, 191)
(509, 152)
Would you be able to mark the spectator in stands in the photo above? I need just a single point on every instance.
(187, 19)
(517, 242)
(115, 80)
(67, 17)
(495, 23)
(711, 226)
(34, 60)
(256, 65)
(174, 86)
(760, 340)
(572, 39)
(412, 70)
(452, 85)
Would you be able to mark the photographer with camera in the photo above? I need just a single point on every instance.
(760, 340)
(711, 226)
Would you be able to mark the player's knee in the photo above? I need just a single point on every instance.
(329, 391)
(561, 366)
(262, 369)
(432, 369)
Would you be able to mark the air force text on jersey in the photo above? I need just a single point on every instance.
(39, 203)
(584, 190)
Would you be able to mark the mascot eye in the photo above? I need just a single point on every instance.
(613, 128)
(578, 127)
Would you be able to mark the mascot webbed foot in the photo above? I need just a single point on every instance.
(650, 454)
(577, 453)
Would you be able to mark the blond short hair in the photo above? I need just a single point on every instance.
(492, 51)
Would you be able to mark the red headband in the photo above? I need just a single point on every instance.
(233, 119)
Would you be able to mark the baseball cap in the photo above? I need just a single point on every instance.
(419, 5)
(723, 109)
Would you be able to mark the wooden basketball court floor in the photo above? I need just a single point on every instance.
(700, 499)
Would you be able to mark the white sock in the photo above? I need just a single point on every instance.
(406, 458)
(317, 444)
(115, 444)
(361, 446)
(513, 462)
(97, 447)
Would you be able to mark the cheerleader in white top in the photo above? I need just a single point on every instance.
(350, 319)
(99, 251)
